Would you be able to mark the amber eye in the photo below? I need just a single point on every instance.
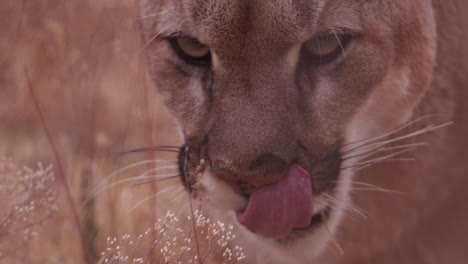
(191, 50)
(326, 48)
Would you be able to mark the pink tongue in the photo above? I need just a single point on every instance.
(274, 210)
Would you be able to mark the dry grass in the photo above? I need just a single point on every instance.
(73, 92)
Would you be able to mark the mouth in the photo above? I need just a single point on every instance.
(282, 210)
(317, 220)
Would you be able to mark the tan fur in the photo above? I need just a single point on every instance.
(261, 106)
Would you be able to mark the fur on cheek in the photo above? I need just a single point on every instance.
(373, 118)
(220, 195)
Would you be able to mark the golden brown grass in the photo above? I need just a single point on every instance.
(73, 92)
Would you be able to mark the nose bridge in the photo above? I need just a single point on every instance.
(254, 118)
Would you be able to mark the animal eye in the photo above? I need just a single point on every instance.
(326, 48)
(191, 50)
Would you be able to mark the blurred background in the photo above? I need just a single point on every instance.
(74, 92)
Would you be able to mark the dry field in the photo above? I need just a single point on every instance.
(73, 93)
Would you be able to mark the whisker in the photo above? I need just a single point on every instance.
(146, 149)
(153, 38)
(152, 177)
(101, 187)
(168, 146)
(366, 189)
(151, 15)
(153, 196)
(144, 176)
(131, 166)
(139, 163)
(381, 148)
(158, 34)
(106, 187)
(153, 181)
(402, 159)
(410, 135)
(371, 162)
(417, 132)
(376, 188)
(376, 138)
(376, 160)
(157, 169)
(386, 160)
(339, 41)
(346, 212)
(347, 204)
(404, 146)
(332, 237)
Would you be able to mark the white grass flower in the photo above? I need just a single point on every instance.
(28, 198)
(170, 241)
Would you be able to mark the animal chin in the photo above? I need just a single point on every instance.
(275, 210)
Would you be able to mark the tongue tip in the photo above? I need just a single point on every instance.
(276, 209)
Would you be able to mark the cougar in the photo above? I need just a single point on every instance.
(324, 131)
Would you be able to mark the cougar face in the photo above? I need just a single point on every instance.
(268, 94)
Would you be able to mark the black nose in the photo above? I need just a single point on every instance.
(268, 164)
(246, 178)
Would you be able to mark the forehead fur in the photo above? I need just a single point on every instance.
(229, 17)
(225, 25)
(225, 18)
